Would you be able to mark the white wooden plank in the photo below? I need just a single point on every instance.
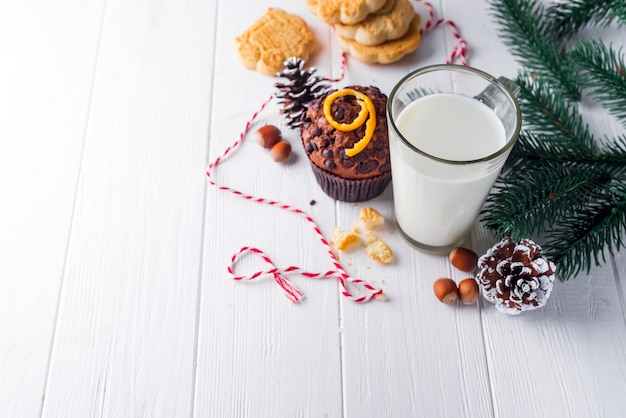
(412, 356)
(125, 340)
(48, 59)
(262, 354)
(151, 324)
(569, 356)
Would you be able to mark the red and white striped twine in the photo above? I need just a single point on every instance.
(460, 49)
(293, 293)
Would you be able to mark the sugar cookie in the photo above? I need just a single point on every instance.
(273, 38)
(344, 11)
(381, 26)
(387, 52)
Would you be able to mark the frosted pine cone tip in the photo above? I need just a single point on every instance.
(515, 276)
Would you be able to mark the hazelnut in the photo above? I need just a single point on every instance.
(464, 259)
(267, 136)
(445, 289)
(468, 291)
(281, 151)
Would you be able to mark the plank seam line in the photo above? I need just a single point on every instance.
(196, 343)
(481, 307)
(618, 285)
(72, 222)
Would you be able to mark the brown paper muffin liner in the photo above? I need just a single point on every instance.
(350, 190)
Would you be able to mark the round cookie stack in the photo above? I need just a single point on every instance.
(372, 31)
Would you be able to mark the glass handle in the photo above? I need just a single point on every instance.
(510, 85)
(493, 96)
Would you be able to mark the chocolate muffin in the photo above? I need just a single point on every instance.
(351, 179)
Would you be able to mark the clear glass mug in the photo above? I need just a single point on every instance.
(451, 128)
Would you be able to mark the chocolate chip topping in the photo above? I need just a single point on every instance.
(360, 157)
(326, 146)
(347, 162)
(367, 166)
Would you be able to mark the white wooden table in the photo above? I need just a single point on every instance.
(115, 300)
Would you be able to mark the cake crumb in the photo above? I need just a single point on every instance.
(371, 218)
(344, 240)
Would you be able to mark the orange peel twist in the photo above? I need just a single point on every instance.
(367, 113)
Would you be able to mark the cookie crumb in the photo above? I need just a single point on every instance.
(344, 240)
(370, 238)
(379, 251)
(371, 218)
(312, 202)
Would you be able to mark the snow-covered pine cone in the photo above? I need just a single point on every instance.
(515, 276)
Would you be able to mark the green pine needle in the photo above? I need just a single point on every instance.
(532, 149)
(615, 151)
(550, 147)
(522, 27)
(547, 112)
(581, 241)
(566, 19)
(601, 71)
(531, 202)
(560, 183)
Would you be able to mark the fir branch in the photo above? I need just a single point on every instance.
(536, 147)
(531, 202)
(582, 239)
(615, 150)
(546, 111)
(523, 27)
(559, 181)
(601, 71)
(566, 19)
(532, 149)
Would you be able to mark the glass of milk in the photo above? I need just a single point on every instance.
(451, 128)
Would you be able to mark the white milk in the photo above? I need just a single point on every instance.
(436, 203)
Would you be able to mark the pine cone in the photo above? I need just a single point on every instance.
(301, 88)
(515, 276)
